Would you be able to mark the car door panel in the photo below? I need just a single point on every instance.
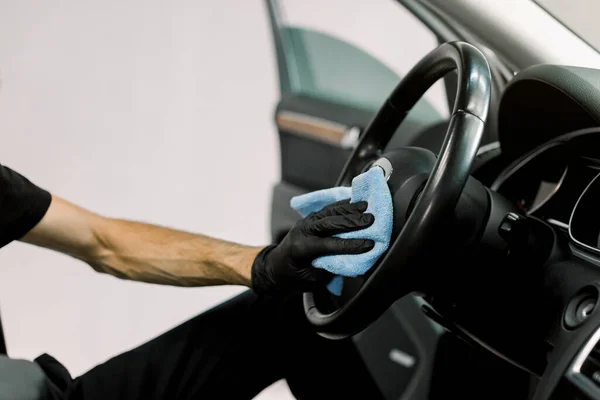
(317, 137)
(312, 136)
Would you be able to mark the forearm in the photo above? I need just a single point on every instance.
(148, 253)
(142, 252)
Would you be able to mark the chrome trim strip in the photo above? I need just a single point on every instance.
(574, 372)
(488, 147)
(557, 223)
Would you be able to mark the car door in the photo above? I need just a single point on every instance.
(330, 88)
(329, 91)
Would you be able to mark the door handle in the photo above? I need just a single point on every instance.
(319, 129)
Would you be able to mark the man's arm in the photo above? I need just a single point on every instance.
(142, 252)
(150, 253)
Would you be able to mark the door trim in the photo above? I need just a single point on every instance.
(317, 128)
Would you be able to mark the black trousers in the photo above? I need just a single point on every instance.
(232, 351)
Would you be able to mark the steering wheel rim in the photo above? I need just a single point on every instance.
(438, 198)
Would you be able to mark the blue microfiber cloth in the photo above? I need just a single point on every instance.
(370, 186)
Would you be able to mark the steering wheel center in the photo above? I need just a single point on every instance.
(411, 167)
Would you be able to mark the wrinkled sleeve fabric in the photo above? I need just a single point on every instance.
(22, 205)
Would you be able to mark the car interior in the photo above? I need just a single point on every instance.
(491, 284)
(490, 287)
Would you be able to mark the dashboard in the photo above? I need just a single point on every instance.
(547, 163)
(548, 129)
(559, 182)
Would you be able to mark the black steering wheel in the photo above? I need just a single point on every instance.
(425, 189)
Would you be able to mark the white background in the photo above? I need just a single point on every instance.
(156, 111)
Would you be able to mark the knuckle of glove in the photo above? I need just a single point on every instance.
(310, 217)
(335, 206)
(342, 209)
(350, 222)
(356, 208)
(314, 228)
(321, 226)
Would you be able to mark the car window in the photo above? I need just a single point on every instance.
(579, 16)
(354, 61)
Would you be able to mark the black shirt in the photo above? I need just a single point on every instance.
(22, 205)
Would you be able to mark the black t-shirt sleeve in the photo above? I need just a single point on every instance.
(22, 205)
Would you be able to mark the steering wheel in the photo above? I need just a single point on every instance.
(425, 189)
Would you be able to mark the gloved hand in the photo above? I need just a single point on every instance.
(287, 266)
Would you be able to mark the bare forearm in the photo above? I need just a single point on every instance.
(142, 252)
(148, 253)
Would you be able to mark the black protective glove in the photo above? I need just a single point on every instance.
(287, 267)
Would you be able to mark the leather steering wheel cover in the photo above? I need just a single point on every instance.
(441, 193)
(472, 97)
